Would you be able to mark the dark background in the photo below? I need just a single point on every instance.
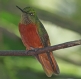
(62, 20)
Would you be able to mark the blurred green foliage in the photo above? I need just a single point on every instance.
(62, 21)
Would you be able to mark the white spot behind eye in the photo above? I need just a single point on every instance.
(31, 14)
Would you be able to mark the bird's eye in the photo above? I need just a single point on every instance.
(31, 14)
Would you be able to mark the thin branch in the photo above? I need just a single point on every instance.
(39, 50)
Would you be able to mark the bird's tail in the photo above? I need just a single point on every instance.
(48, 63)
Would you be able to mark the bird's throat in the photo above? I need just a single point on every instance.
(25, 19)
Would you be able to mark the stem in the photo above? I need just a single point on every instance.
(39, 50)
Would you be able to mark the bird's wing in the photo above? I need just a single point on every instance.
(43, 35)
(46, 59)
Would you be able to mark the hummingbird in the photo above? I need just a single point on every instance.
(34, 35)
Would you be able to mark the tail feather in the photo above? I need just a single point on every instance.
(46, 63)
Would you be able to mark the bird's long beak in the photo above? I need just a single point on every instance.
(20, 9)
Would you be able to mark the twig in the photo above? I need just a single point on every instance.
(39, 50)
